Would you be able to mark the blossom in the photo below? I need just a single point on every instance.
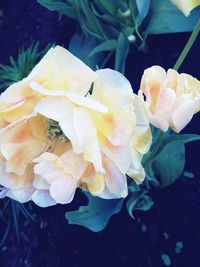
(57, 137)
(171, 99)
(186, 6)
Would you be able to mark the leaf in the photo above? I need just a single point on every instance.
(93, 23)
(110, 6)
(105, 46)
(96, 214)
(81, 46)
(167, 18)
(138, 201)
(121, 52)
(143, 8)
(185, 138)
(170, 162)
(59, 6)
(19, 68)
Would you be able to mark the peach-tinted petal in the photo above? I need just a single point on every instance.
(61, 173)
(183, 113)
(63, 189)
(120, 155)
(17, 101)
(165, 101)
(115, 180)
(114, 91)
(151, 82)
(20, 147)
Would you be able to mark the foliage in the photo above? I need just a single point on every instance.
(117, 25)
(11, 214)
(19, 68)
(96, 214)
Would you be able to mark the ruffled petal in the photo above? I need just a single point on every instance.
(43, 199)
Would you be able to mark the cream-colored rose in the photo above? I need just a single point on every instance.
(186, 6)
(171, 99)
(68, 138)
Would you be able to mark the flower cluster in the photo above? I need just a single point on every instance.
(66, 127)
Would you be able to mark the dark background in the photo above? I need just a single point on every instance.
(52, 242)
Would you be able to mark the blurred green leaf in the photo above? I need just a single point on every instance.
(96, 214)
(121, 52)
(93, 23)
(170, 162)
(108, 45)
(19, 68)
(111, 5)
(81, 46)
(166, 18)
(185, 138)
(143, 8)
(138, 201)
(62, 7)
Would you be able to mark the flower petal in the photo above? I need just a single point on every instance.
(43, 199)
(61, 70)
(87, 138)
(183, 113)
(116, 181)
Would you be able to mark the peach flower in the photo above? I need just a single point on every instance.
(171, 99)
(56, 137)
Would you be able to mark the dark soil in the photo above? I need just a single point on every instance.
(51, 242)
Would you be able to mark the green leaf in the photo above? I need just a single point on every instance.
(121, 52)
(96, 214)
(143, 8)
(138, 201)
(19, 68)
(185, 138)
(110, 5)
(93, 23)
(170, 162)
(167, 18)
(59, 6)
(81, 46)
(105, 46)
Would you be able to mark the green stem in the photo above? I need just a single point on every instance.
(188, 46)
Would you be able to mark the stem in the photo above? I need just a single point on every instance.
(188, 46)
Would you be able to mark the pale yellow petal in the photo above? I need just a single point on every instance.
(87, 138)
(97, 185)
(141, 137)
(186, 6)
(61, 70)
